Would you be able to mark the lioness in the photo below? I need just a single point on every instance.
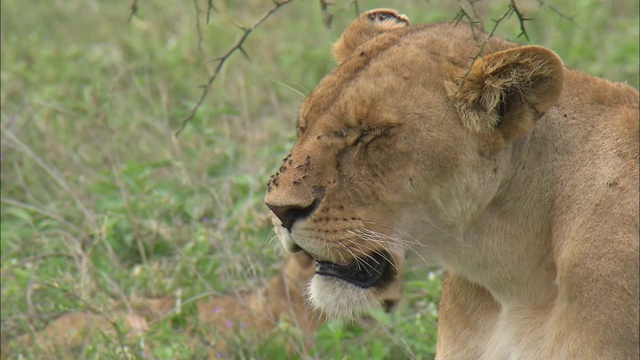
(517, 175)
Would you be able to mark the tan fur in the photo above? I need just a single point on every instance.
(517, 175)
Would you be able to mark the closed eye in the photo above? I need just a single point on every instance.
(371, 134)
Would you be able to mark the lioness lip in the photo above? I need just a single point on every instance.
(364, 272)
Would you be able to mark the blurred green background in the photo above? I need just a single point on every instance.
(100, 199)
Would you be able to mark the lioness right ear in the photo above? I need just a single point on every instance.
(366, 26)
(508, 91)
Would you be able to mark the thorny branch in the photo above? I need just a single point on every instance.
(511, 9)
(210, 8)
(521, 19)
(474, 18)
(238, 46)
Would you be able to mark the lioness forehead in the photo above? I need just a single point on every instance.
(424, 56)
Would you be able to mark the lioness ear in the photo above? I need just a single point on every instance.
(365, 27)
(508, 90)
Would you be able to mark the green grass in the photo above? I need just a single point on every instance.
(100, 200)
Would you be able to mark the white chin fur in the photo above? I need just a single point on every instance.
(338, 299)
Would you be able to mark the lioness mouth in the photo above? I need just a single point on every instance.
(364, 272)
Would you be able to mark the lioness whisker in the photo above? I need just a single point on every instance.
(355, 257)
(382, 236)
(364, 253)
(378, 237)
(371, 249)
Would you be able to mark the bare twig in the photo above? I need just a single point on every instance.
(566, 17)
(356, 7)
(134, 10)
(327, 17)
(198, 26)
(511, 9)
(238, 46)
(210, 8)
(570, 19)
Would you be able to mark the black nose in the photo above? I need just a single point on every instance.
(289, 214)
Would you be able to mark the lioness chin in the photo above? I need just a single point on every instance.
(517, 175)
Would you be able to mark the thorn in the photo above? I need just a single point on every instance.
(238, 25)
(245, 54)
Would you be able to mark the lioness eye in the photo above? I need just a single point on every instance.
(371, 134)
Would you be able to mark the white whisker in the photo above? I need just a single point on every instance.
(381, 238)
(304, 96)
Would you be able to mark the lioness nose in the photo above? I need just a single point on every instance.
(289, 214)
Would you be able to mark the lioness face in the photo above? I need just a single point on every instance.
(353, 192)
(384, 165)
(379, 169)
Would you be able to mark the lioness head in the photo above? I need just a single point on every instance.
(399, 147)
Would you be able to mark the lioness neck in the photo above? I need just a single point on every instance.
(509, 242)
(512, 245)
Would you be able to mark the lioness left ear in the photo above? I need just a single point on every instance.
(509, 90)
(365, 27)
